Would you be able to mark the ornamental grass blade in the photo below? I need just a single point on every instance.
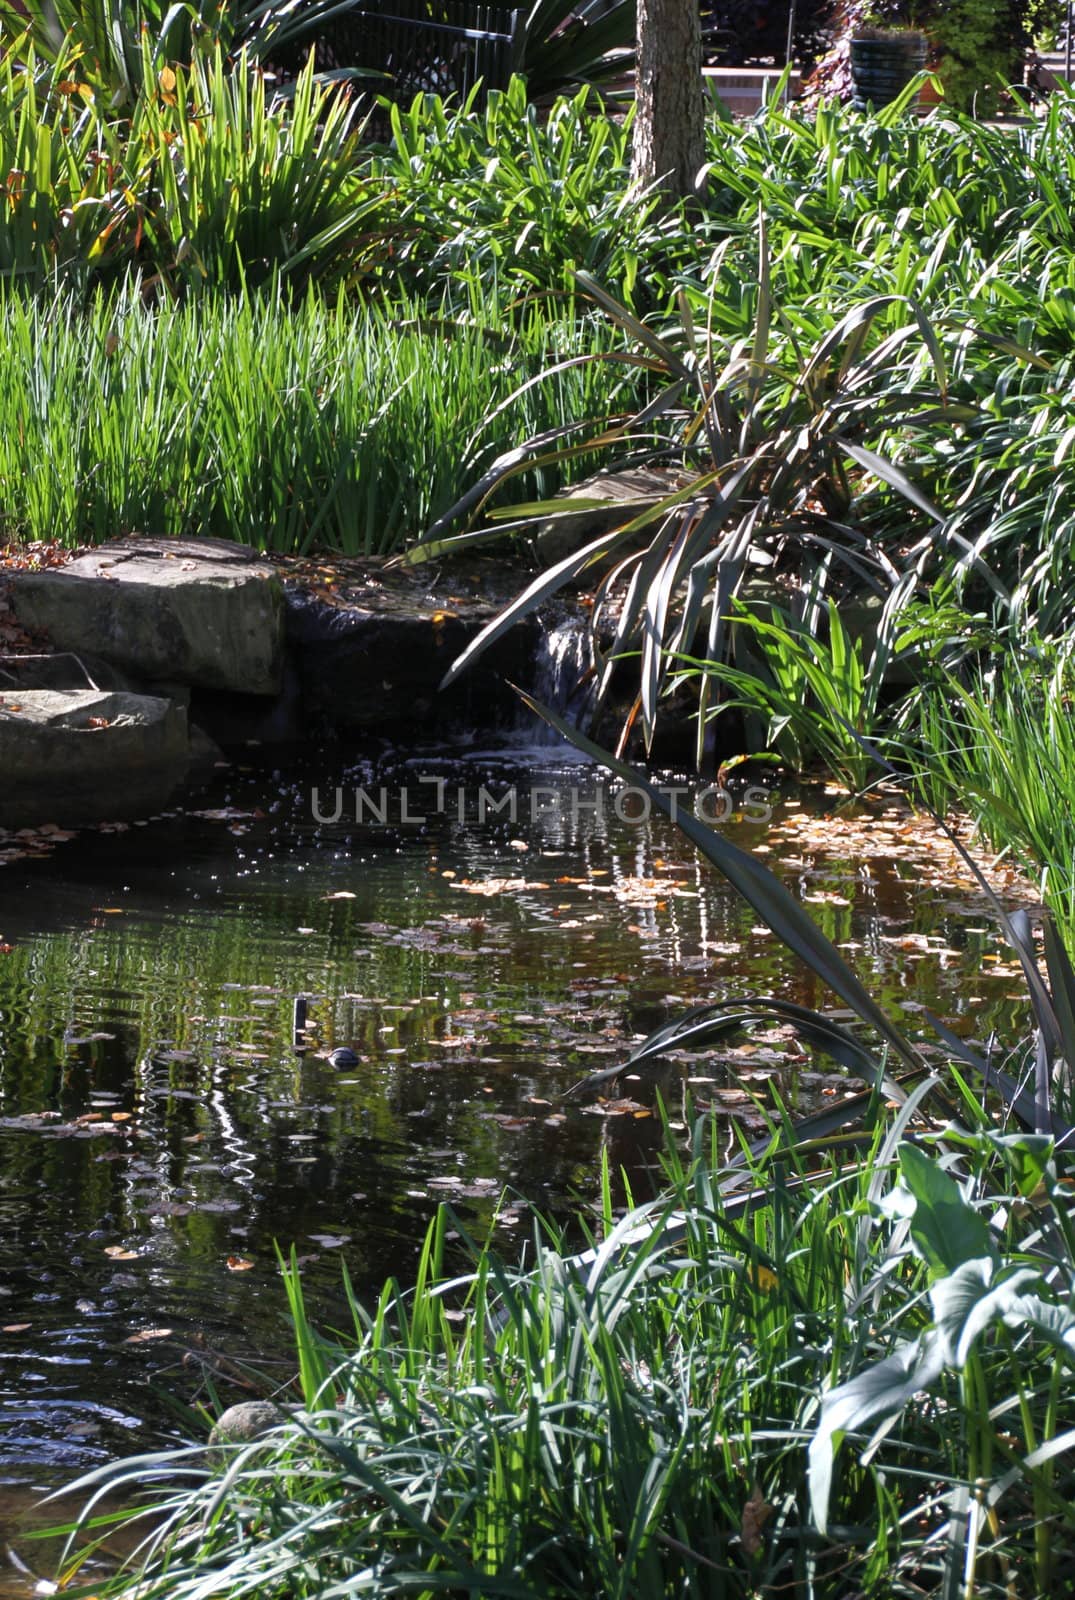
(758, 886)
(645, 336)
(702, 1024)
(890, 474)
(1062, 984)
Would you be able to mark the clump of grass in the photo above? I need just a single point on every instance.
(997, 739)
(636, 1421)
(287, 425)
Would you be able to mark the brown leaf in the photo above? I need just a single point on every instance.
(756, 1514)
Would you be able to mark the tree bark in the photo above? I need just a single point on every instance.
(669, 129)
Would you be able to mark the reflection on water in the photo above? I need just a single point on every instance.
(158, 1131)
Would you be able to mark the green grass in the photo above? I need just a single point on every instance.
(290, 426)
(657, 1420)
(998, 741)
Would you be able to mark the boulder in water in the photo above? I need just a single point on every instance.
(80, 756)
(248, 1420)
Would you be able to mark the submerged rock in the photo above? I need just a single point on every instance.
(195, 611)
(88, 755)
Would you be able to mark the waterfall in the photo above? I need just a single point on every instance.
(562, 657)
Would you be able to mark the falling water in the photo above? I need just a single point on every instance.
(561, 664)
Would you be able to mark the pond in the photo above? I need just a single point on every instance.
(160, 1134)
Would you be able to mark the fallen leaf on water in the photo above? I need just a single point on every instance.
(239, 1264)
(146, 1334)
(16, 1327)
(119, 1253)
(488, 887)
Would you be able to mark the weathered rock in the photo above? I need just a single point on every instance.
(65, 670)
(371, 652)
(79, 756)
(236, 720)
(199, 611)
(248, 1420)
(621, 496)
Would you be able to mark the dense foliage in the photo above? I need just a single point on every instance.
(223, 312)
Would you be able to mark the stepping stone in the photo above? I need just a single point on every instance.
(88, 755)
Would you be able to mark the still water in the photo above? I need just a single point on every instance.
(160, 1135)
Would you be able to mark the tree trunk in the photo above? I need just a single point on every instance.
(669, 130)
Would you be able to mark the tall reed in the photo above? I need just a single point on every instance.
(287, 425)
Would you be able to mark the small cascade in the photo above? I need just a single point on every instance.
(562, 660)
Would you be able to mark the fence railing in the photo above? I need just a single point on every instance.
(407, 47)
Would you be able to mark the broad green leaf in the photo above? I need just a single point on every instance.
(946, 1230)
(880, 1391)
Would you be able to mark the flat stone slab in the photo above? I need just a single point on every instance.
(193, 611)
(88, 755)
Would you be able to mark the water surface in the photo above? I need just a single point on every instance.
(159, 1134)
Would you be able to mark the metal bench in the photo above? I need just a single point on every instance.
(445, 47)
